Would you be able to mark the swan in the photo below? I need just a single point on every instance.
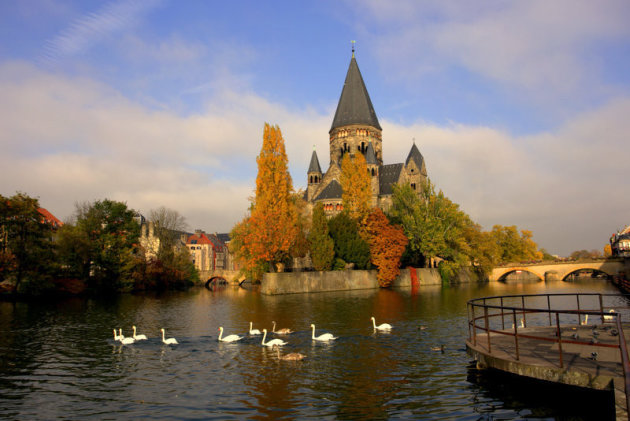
(254, 331)
(294, 356)
(384, 326)
(283, 331)
(123, 340)
(116, 336)
(169, 341)
(325, 337)
(229, 338)
(609, 318)
(585, 322)
(273, 342)
(138, 337)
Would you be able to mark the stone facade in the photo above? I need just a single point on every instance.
(356, 129)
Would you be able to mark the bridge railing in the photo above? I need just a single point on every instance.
(489, 314)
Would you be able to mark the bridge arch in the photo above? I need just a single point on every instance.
(216, 280)
(600, 270)
(503, 276)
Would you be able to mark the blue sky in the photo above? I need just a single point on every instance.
(519, 108)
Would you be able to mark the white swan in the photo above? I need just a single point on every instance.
(585, 322)
(324, 338)
(169, 341)
(116, 336)
(273, 342)
(123, 340)
(229, 338)
(283, 331)
(254, 331)
(294, 356)
(138, 337)
(384, 326)
(609, 318)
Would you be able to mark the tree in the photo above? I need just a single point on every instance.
(268, 235)
(355, 186)
(483, 251)
(321, 244)
(387, 243)
(515, 247)
(111, 235)
(349, 246)
(607, 250)
(26, 248)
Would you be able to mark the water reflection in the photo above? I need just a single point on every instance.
(59, 359)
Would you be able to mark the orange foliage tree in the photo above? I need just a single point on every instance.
(387, 243)
(355, 185)
(267, 236)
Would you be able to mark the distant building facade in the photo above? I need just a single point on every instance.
(620, 243)
(207, 251)
(355, 129)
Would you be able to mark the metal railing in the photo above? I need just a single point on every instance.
(488, 314)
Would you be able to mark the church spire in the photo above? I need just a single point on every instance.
(355, 106)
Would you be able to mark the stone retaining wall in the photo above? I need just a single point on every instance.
(343, 280)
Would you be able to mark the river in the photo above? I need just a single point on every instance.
(59, 360)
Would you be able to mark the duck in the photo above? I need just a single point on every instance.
(294, 356)
(253, 331)
(229, 338)
(384, 326)
(169, 341)
(138, 337)
(323, 338)
(273, 342)
(283, 331)
(438, 348)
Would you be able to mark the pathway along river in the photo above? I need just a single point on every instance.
(58, 360)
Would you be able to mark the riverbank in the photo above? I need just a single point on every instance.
(303, 282)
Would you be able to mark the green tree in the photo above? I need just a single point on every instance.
(515, 246)
(349, 246)
(26, 247)
(321, 244)
(111, 234)
(355, 185)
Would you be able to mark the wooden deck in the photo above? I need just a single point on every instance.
(539, 358)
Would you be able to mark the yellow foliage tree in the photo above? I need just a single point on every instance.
(355, 184)
(267, 236)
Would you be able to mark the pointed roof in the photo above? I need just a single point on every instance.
(415, 154)
(388, 175)
(355, 106)
(331, 191)
(370, 156)
(314, 166)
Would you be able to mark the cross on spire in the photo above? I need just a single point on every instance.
(353, 42)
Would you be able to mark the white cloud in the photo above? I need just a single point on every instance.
(73, 139)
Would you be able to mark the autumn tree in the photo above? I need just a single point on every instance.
(515, 246)
(268, 235)
(355, 185)
(387, 243)
(321, 244)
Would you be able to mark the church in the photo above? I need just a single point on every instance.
(355, 129)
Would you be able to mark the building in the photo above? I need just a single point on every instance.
(207, 251)
(355, 129)
(620, 243)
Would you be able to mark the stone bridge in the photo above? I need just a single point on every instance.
(220, 276)
(561, 270)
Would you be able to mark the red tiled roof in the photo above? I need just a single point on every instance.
(198, 239)
(50, 218)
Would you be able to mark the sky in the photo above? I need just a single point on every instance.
(520, 109)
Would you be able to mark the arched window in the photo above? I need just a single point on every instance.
(413, 186)
(310, 180)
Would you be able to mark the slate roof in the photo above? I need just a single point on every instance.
(331, 191)
(314, 166)
(224, 237)
(370, 156)
(416, 156)
(355, 106)
(388, 175)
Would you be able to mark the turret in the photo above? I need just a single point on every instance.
(314, 176)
